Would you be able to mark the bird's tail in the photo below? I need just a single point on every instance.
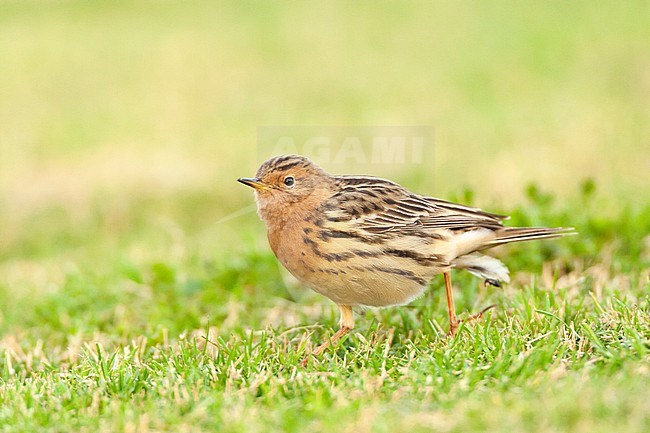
(507, 235)
(490, 269)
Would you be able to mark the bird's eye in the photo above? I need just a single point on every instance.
(289, 181)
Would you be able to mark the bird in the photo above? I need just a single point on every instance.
(364, 241)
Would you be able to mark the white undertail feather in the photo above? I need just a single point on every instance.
(484, 267)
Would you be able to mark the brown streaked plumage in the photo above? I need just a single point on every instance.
(366, 241)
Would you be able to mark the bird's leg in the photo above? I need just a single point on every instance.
(346, 324)
(453, 319)
(451, 309)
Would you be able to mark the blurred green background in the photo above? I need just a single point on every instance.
(123, 126)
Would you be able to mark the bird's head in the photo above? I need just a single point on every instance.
(286, 184)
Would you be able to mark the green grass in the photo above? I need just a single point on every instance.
(128, 302)
(125, 348)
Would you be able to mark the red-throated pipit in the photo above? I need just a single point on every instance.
(365, 241)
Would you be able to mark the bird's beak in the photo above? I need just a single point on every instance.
(253, 182)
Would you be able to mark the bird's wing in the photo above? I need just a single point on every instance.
(381, 206)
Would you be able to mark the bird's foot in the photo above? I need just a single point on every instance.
(323, 347)
(453, 326)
